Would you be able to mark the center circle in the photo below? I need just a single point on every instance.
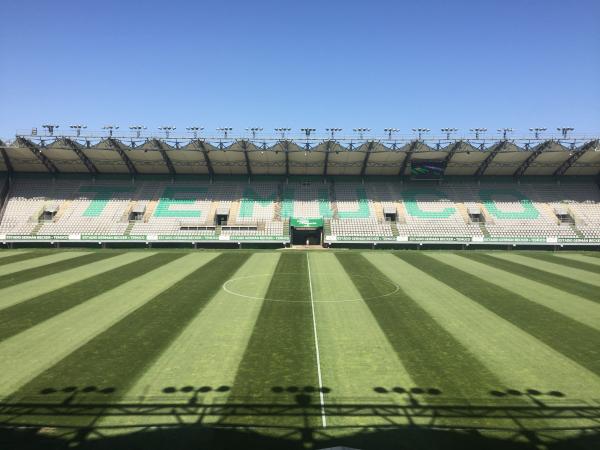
(235, 286)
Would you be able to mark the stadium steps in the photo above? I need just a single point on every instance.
(548, 211)
(36, 228)
(234, 211)
(333, 202)
(64, 206)
(576, 231)
(211, 218)
(150, 207)
(400, 212)
(378, 209)
(394, 228)
(326, 227)
(129, 228)
(286, 227)
(484, 230)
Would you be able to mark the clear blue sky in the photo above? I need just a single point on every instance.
(513, 63)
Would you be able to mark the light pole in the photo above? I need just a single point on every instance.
(283, 130)
(537, 130)
(333, 131)
(565, 131)
(50, 127)
(421, 131)
(77, 128)
(167, 129)
(110, 129)
(254, 130)
(361, 131)
(390, 131)
(307, 131)
(195, 130)
(478, 131)
(137, 129)
(505, 132)
(448, 132)
(225, 131)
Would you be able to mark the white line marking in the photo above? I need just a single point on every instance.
(312, 304)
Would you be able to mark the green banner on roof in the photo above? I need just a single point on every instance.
(306, 223)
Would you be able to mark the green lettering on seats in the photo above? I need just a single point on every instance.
(529, 211)
(363, 207)
(168, 199)
(250, 197)
(100, 200)
(413, 208)
(287, 204)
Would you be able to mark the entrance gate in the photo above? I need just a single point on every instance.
(306, 230)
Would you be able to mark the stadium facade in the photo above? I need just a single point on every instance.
(529, 191)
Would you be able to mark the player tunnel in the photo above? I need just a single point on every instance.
(306, 231)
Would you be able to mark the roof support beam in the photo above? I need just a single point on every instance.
(7, 163)
(574, 157)
(363, 169)
(326, 162)
(489, 158)
(115, 144)
(37, 151)
(525, 165)
(165, 158)
(244, 145)
(209, 166)
(451, 153)
(286, 147)
(408, 157)
(84, 159)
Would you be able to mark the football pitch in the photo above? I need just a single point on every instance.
(295, 349)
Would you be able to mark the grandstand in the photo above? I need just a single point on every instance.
(71, 189)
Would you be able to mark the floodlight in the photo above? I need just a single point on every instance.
(77, 128)
(537, 131)
(110, 129)
(138, 129)
(333, 131)
(565, 131)
(195, 130)
(505, 131)
(225, 130)
(282, 130)
(420, 131)
(449, 131)
(167, 129)
(361, 131)
(478, 131)
(389, 131)
(50, 128)
(307, 131)
(254, 130)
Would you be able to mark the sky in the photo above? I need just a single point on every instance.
(347, 64)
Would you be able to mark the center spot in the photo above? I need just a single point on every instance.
(246, 286)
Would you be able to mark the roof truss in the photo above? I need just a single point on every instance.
(84, 159)
(574, 157)
(115, 144)
(37, 151)
(531, 158)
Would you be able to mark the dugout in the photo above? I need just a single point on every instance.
(303, 230)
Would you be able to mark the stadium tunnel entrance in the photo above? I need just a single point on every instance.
(306, 231)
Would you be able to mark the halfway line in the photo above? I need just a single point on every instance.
(312, 305)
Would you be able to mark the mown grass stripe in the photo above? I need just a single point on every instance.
(21, 316)
(118, 356)
(431, 355)
(49, 269)
(9, 259)
(556, 259)
(281, 350)
(569, 337)
(551, 279)
(42, 259)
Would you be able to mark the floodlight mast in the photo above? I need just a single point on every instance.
(254, 130)
(50, 127)
(225, 131)
(110, 129)
(390, 131)
(137, 129)
(421, 131)
(167, 129)
(505, 132)
(537, 130)
(282, 130)
(195, 130)
(307, 131)
(361, 131)
(77, 128)
(333, 131)
(478, 131)
(565, 131)
(448, 132)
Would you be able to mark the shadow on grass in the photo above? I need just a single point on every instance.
(204, 417)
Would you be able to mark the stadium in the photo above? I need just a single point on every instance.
(302, 289)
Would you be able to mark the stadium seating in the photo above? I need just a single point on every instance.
(261, 209)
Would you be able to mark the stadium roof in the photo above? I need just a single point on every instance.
(310, 156)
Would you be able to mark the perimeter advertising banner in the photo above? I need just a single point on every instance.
(306, 223)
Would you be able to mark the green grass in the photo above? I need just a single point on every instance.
(415, 348)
